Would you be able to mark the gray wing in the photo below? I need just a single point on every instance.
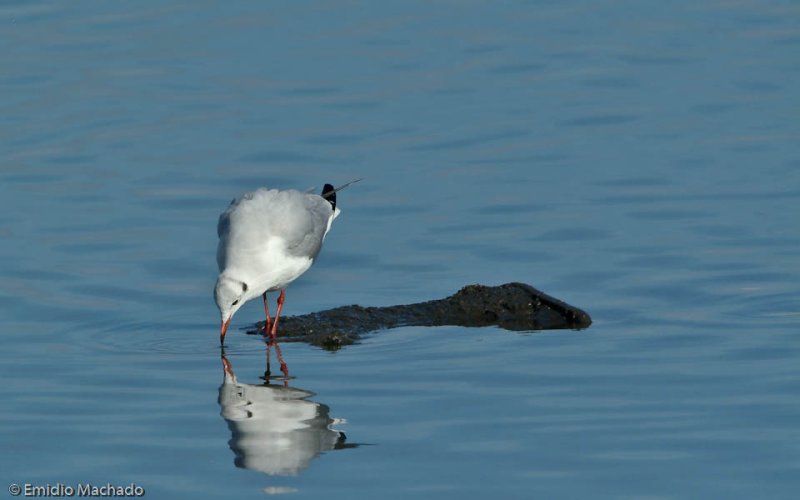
(311, 227)
(300, 219)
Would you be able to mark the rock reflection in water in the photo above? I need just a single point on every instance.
(275, 429)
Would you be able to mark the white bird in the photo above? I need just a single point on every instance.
(267, 239)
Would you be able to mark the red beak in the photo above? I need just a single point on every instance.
(222, 329)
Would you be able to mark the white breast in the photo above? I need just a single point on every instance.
(267, 267)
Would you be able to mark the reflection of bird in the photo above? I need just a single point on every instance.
(267, 239)
(275, 430)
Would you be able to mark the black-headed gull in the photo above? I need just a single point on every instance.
(267, 239)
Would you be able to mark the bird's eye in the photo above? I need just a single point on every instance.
(235, 302)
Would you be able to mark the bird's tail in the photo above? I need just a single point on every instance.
(329, 192)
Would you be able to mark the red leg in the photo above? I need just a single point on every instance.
(284, 368)
(274, 332)
(268, 372)
(266, 312)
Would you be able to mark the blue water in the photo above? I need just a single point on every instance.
(639, 160)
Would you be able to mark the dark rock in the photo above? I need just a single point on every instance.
(513, 306)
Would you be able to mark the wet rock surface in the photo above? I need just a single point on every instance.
(513, 306)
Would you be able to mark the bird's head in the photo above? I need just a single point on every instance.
(229, 294)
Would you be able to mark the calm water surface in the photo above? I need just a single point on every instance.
(637, 159)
